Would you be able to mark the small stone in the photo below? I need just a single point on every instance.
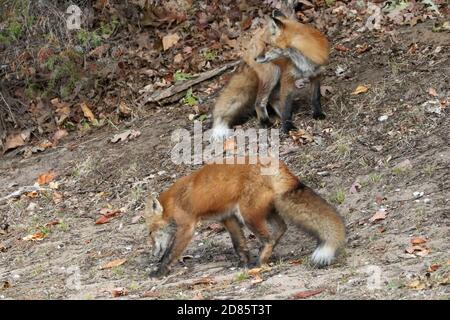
(418, 194)
(383, 118)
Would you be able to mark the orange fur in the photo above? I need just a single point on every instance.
(233, 192)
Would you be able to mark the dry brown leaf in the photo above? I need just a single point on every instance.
(178, 59)
(57, 197)
(59, 134)
(113, 264)
(170, 40)
(418, 240)
(62, 109)
(257, 279)
(46, 177)
(418, 250)
(119, 292)
(102, 220)
(254, 271)
(52, 223)
(6, 285)
(38, 236)
(87, 112)
(16, 140)
(124, 109)
(301, 136)
(306, 294)
(125, 136)
(204, 280)
(32, 194)
(445, 280)
(341, 48)
(2, 247)
(379, 215)
(296, 262)
(360, 89)
(433, 267)
(417, 285)
(432, 92)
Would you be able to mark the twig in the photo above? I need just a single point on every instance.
(21, 191)
(183, 86)
(9, 108)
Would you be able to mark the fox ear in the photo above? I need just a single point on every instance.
(278, 14)
(153, 206)
(275, 25)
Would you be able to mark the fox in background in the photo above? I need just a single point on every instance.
(277, 55)
(237, 194)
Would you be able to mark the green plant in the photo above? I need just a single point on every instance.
(209, 55)
(179, 76)
(242, 277)
(338, 196)
(190, 99)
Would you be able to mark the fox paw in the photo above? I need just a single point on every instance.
(288, 126)
(319, 116)
(265, 123)
(159, 273)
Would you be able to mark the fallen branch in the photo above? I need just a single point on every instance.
(183, 86)
(21, 191)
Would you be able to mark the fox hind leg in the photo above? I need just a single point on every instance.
(318, 113)
(238, 239)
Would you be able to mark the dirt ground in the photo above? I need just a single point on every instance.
(400, 164)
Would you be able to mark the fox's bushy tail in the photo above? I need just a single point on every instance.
(312, 213)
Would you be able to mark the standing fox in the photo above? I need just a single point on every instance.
(238, 193)
(279, 54)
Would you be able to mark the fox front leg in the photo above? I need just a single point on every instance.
(176, 247)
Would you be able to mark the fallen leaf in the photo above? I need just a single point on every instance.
(417, 285)
(57, 197)
(433, 267)
(445, 280)
(170, 40)
(45, 178)
(109, 213)
(362, 48)
(38, 236)
(301, 136)
(136, 218)
(379, 215)
(16, 140)
(126, 136)
(360, 89)
(418, 240)
(306, 294)
(114, 263)
(296, 262)
(432, 92)
(204, 280)
(52, 223)
(62, 109)
(341, 48)
(6, 285)
(124, 109)
(102, 220)
(119, 292)
(58, 135)
(2, 247)
(417, 250)
(178, 59)
(254, 271)
(257, 279)
(381, 229)
(87, 112)
(32, 194)
(355, 188)
(53, 185)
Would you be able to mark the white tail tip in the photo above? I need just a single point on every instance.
(220, 131)
(323, 255)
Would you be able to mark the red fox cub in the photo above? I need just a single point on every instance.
(279, 54)
(237, 194)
